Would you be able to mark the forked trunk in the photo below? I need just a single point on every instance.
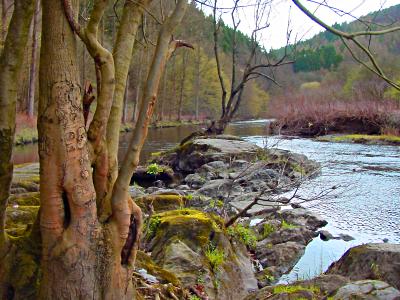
(81, 258)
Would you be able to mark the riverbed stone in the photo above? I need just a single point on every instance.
(370, 261)
(303, 217)
(282, 255)
(368, 290)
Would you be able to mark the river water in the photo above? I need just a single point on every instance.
(363, 180)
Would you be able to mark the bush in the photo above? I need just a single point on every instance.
(246, 235)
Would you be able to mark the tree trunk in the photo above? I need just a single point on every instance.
(197, 83)
(126, 95)
(4, 4)
(11, 61)
(181, 92)
(32, 72)
(81, 258)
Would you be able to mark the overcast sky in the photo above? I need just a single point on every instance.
(302, 27)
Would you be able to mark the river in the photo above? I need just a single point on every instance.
(364, 201)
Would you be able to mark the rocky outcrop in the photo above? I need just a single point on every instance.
(194, 247)
(370, 261)
(368, 290)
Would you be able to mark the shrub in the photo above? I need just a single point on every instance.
(246, 235)
(215, 256)
(154, 169)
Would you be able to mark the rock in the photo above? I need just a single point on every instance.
(239, 164)
(25, 199)
(303, 217)
(284, 255)
(256, 210)
(217, 164)
(160, 203)
(143, 177)
(181, 243)
(370, 261)
(194, 180)
(219, 188)
(301, 235)
(367, 289)
(190, 156)
(136, 191)
(242, 201)
(316, 288)
(345, 237)
(325, 235)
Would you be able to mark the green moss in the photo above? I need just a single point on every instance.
(144, 261)
(245, 235)
(154, 169)
(26, 199)
(216, 203)
(189, 225)
(161, 203)
(21, 216)
(267, 230)
(26, 135)
(285, 225)
(215, 256)
(290, 289)
(363, 138)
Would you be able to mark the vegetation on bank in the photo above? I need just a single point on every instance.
(363, 139)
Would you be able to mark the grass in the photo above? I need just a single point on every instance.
(154, 169)
(367, 138)
(267, 230)
(215, 256)
(285, 225)
(290, 289)
(246, 235)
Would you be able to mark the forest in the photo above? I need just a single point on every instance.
(174, 154)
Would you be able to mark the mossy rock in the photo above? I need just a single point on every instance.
(144, 261)
(26, 199)
(161, 203)
(17, 217)
(30, 185)
(189, 225)
(187, 242)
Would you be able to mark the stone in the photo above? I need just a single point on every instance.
(303, 217)
(345, 237)
(301, 235)
(283, 255)
(367, 289)
(180, 246)
(219, 188)
(325, 235)
(194, 180)
(370, 261)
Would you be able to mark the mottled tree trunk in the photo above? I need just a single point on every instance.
(33, 68)
(11, 61)
(81, 258)
(182, 87)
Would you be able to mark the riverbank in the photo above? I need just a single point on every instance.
(362, 139)
(187, 242)
(29, 135)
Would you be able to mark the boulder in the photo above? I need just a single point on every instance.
(303, 217)
(316, 288)
(368, 290)
(220, 188)
(284, 255)
(160, 203)
(194, 247)
(370, 261)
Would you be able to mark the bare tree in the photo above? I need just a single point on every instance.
(254, 67)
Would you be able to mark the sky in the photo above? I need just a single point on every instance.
(302, 27)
